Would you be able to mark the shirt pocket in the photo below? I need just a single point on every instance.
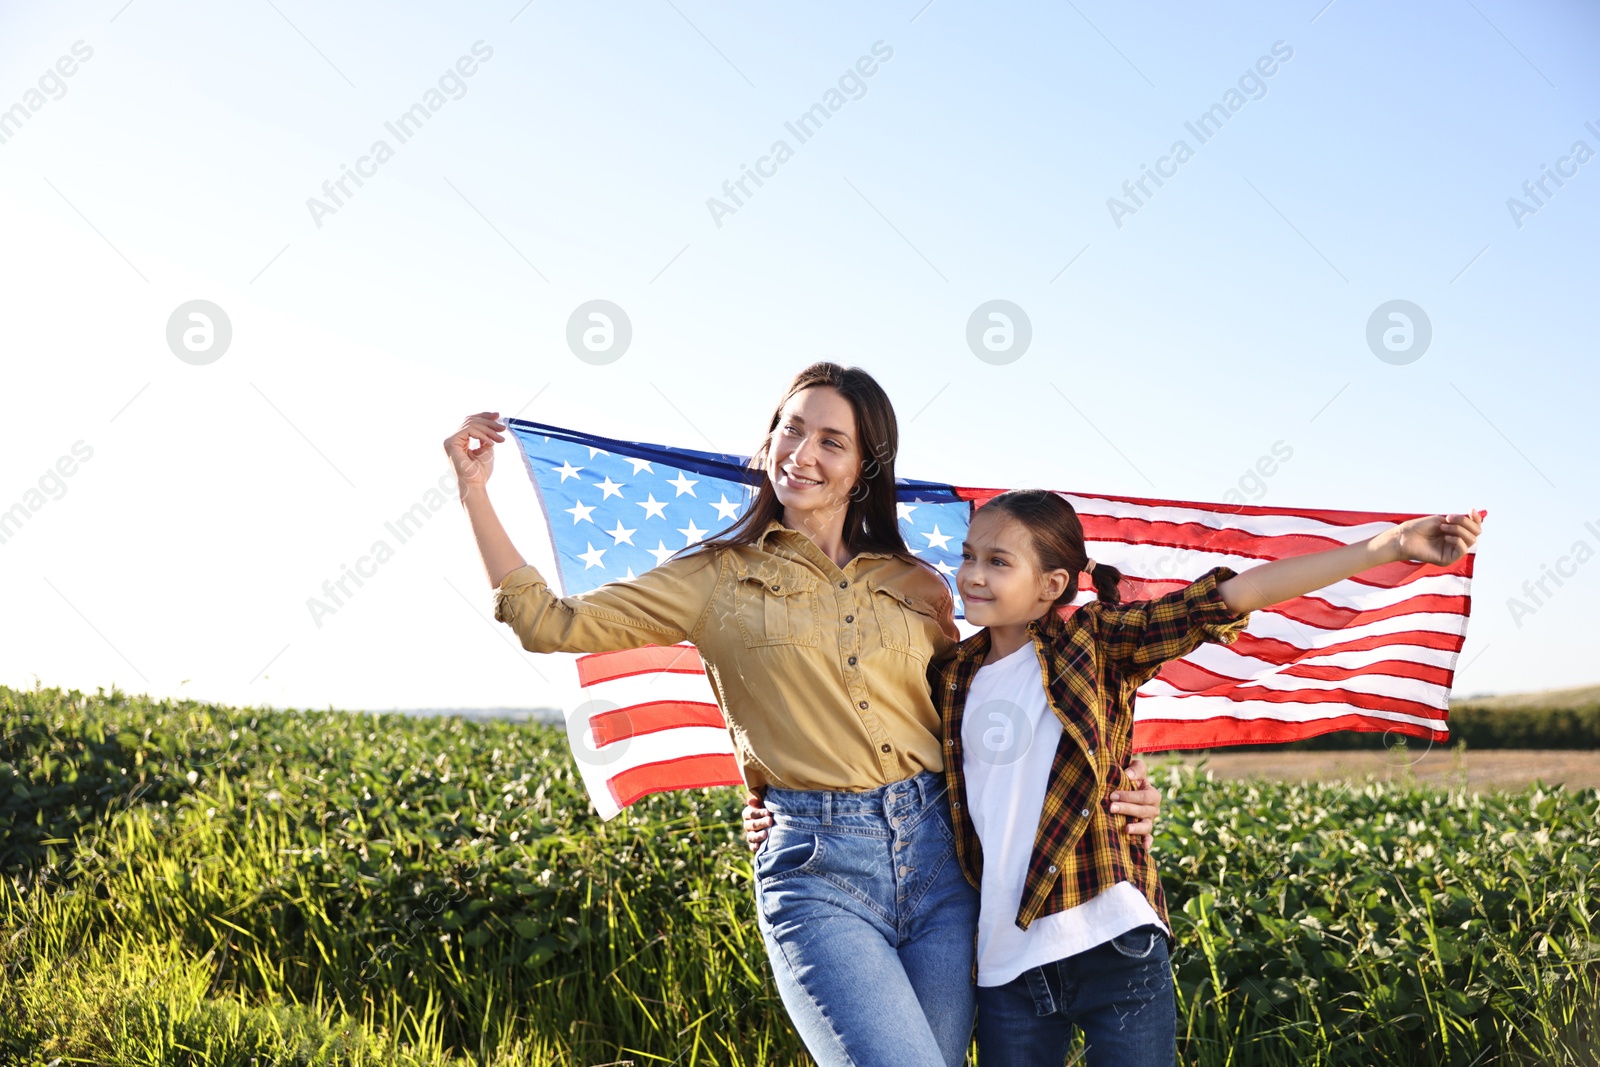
(777, 607)
(902, 621)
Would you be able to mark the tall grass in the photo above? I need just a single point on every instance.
(197, 884)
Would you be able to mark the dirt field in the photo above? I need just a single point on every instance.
(1483, 770)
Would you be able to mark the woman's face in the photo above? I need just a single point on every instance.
(815, 457)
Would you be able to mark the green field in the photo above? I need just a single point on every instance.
(187, 883)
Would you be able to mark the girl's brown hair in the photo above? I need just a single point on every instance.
(1057, 535)
(871, 521)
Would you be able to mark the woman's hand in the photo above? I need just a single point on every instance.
(756, 821)
(1140, 804)
(474, 465)
(1437, 539)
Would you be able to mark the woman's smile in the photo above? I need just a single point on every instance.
(798, 481)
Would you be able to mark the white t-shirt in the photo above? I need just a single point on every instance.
(1008, 739)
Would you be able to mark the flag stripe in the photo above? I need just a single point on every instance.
(686, 772)
(1157, 710)
(1424, 694)
(1261, 693)
(1238, 516)
(1347, 593)
(1275, 651)
(1189, 675)
(1210, 733)
(1235, 514)
(604, 666)
(1281, 627)
(639, 719)
(1224, 660)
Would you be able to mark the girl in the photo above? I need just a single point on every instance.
(816, 626)
(1073, 928)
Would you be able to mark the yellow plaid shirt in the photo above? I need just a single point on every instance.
(1091, 663)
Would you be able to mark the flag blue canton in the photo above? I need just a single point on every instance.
(618, 508)
(934, 530)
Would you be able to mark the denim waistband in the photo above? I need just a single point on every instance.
(896, 798)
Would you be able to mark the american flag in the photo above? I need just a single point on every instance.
(1373, 653)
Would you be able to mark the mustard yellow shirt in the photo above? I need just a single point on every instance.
(821, 672)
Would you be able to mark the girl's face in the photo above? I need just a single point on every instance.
(999, 577)
(815, 458)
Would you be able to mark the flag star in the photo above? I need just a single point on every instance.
(905, 511)
(945, 569)
(937, 539)
(610, 488)
(593, 451)
(591, 558)
(629, 576)
(639, 464)
(683, 484)
(620, 535)
(693, 533)
(566, 470)
(914, 551)
(726, 509)
(653, 508)
(660, 552)
(579, 512)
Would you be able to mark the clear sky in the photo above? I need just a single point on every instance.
(176, 514)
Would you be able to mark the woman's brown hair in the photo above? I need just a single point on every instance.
(1057, 535)
(871, 521)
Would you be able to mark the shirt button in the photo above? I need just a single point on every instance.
(852, 661)
(884, 747)
(1084, 813)
(1052, 868)
(852, 618)
(774, 589)
(955, 805)
(862, 705)
(949, 743)
(844, 584)
(1091, 753)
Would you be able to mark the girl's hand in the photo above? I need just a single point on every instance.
(474, 465)
(1437, 539)
(756, 821)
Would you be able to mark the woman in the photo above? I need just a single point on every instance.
(817, 627)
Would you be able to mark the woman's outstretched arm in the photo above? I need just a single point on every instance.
(1438, 539)
(662, 606)
(473, 467)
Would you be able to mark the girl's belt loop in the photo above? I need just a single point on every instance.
(827, 807)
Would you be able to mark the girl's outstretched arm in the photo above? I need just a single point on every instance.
(1438, 539)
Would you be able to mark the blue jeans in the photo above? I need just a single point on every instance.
(1119, 993)
(869, 923)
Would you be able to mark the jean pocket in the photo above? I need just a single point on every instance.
(1138, 943)
(787, 851)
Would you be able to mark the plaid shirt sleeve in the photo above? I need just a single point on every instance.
(1141, 636)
